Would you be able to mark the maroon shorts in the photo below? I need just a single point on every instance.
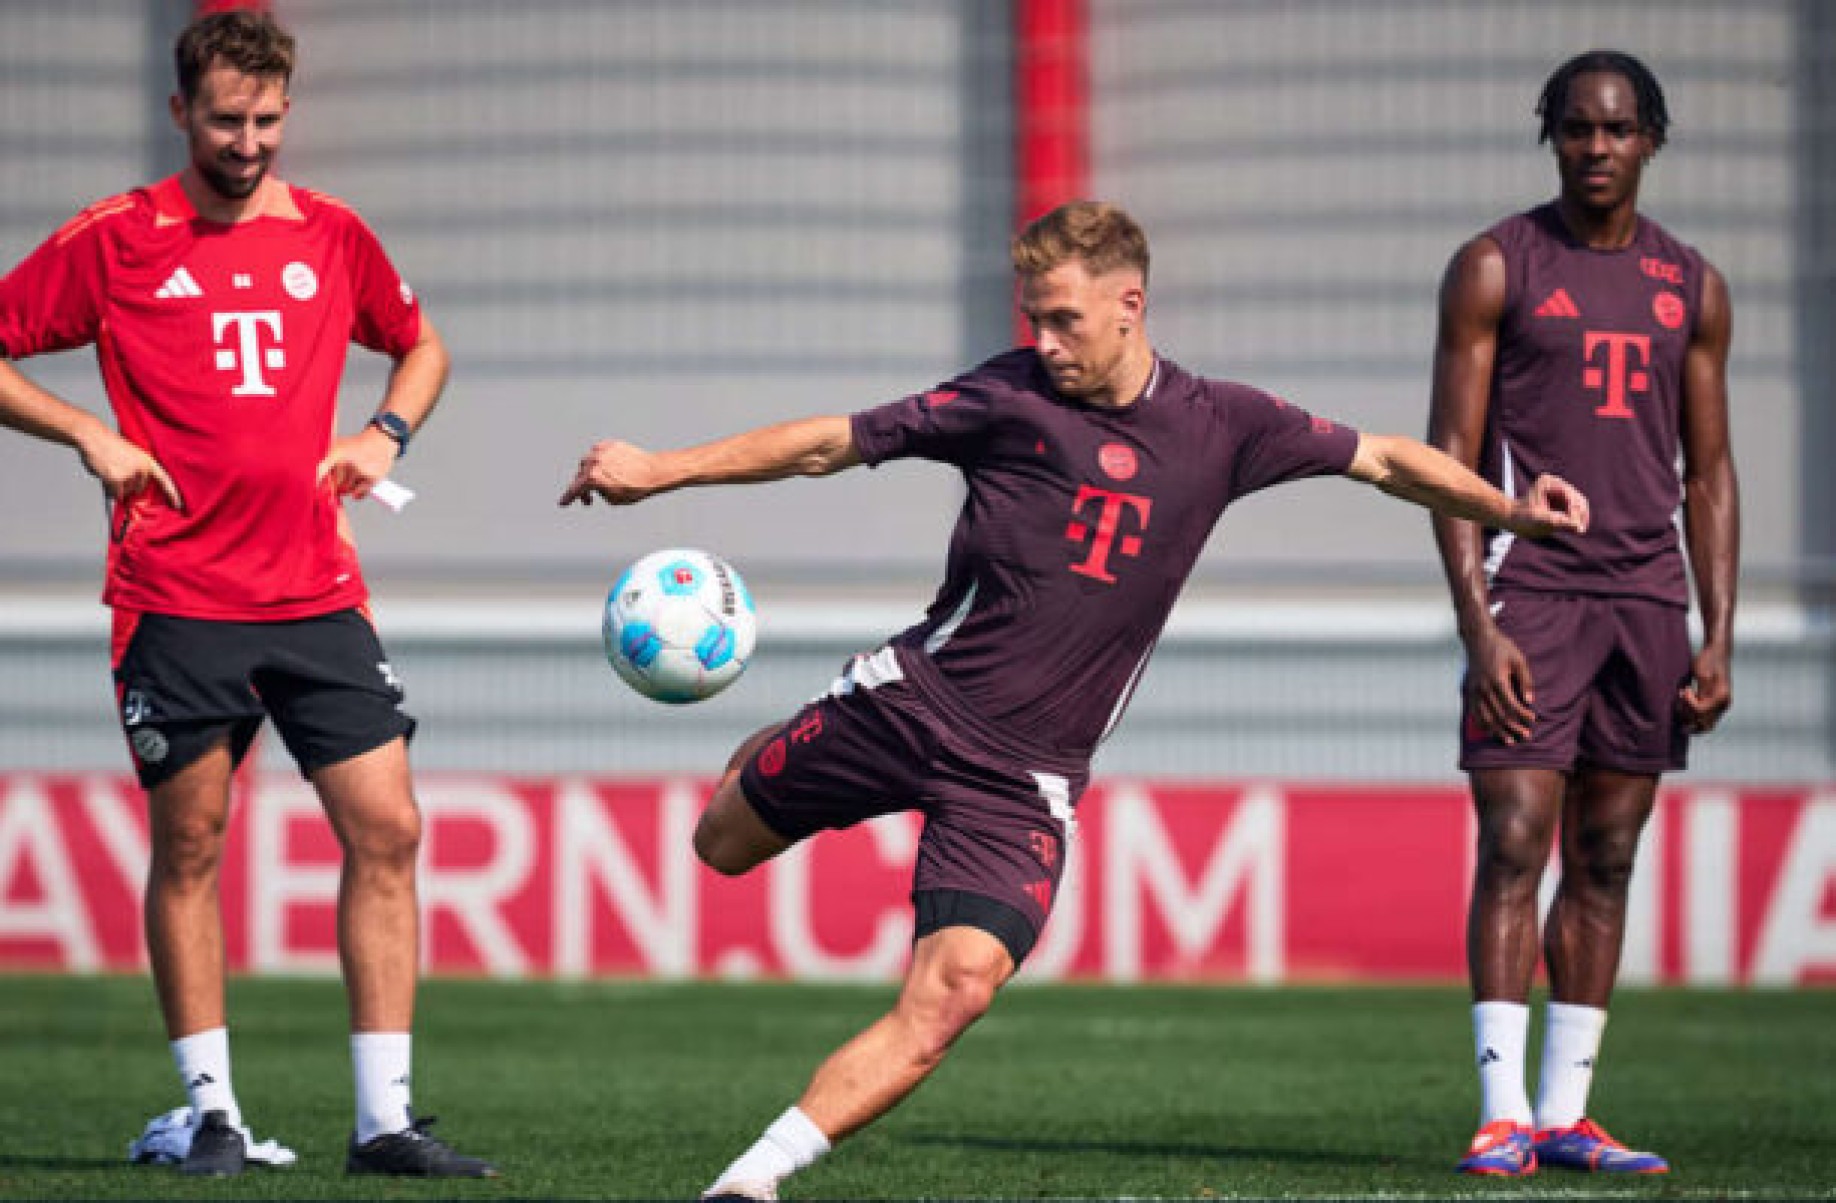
(1606, 672)
(995, 826)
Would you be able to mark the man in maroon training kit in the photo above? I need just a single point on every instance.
(1095, 471)
(1580, 338)
(222, 302)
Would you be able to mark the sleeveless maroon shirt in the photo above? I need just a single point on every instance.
(1588, 384)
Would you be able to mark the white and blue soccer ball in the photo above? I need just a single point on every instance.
(680, 625)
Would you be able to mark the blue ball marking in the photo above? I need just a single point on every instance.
(640, 643)
(715, 647)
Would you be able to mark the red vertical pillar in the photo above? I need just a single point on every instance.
(1051, 109)
(1051, 104)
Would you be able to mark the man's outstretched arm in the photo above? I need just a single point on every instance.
(621, 474)
(1416, 472)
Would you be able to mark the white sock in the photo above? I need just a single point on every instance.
(379, 1064)
(204, 1067)
(1571, 1042)
(1500, 1032)
(792, 1142)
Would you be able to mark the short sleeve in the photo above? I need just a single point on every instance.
(949, 423)
(52, 301)
(1279, 442)
(387, 313)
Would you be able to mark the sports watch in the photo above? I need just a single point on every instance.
(396, 427)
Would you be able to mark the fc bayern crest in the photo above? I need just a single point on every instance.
(1118, 460)
(301, 283)
(149, 745)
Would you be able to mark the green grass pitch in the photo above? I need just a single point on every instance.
(627, 1090)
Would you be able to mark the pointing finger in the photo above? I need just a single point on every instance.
(169, 488)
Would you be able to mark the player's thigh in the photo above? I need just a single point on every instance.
(188, 811)
(1604, 813)
(330, 689)
(1564, 649)
(1518, 811)
(730, 837)
(369, 800)
(997, 830)
(863, 749)
(1632, 721)
(182, 688)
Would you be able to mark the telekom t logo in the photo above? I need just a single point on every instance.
(1627, 355)
(245, 351)
(1112, 509)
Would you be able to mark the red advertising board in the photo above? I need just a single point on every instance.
(1267, 882)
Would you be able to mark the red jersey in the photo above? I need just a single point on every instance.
(221, 348)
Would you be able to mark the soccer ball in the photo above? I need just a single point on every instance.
(679, 625)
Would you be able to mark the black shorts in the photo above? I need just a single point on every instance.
(996, 828)
(1607, 671)
(182, 684)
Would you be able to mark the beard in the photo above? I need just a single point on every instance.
(231, 187)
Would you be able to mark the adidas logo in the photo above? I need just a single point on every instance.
(201, 1080)
(179, 284)
(1489, 1057)
(1558, 304)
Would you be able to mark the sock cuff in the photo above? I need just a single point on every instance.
(1501, 1008)
(1510, 1016)
(798, 1134)
(209, 1040)
(381, 1042)
(1573, 1015)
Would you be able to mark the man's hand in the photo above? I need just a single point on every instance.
(1500, 695)
(355, 464)
(617, 473)
(1708, 693)
(124, 468)
(1552, 505)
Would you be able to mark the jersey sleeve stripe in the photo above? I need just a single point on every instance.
(96, 212)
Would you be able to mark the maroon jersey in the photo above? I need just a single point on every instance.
(1079, 528)
(1588, 384)
(222, 348)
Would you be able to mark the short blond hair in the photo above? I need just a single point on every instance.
(1101, 236)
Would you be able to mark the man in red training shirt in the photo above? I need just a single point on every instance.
(221, 303)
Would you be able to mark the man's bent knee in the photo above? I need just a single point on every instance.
(955, 976)
(730, 838)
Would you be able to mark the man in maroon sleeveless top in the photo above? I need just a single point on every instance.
(1580, 337)
(1095, 470)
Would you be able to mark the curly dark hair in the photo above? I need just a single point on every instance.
(1653, 114)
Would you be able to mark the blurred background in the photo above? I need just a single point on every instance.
(668, 219)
